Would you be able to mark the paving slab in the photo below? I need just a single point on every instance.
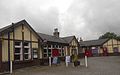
(109, 65)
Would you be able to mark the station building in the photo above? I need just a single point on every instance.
(19, 43)
(101, 47)
(22, 45)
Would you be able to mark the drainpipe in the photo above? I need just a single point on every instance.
(9, 60)
(9, 57)
(9, 50)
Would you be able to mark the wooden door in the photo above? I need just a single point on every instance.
(55, 52)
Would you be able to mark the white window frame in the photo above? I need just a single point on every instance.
(29, 51)
(21, 56)
(35, 54)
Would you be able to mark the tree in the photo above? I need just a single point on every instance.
(110, 35)
(118, 38)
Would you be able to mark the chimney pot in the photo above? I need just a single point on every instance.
(56, 33)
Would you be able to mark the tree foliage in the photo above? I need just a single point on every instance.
(110, 35)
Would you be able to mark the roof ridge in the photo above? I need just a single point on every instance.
(68, 36)
(94, 40)
(44, 34)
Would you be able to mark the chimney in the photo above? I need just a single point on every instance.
(56, 33)
(81, 39)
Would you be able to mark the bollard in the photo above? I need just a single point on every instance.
(50, 61)
(10, 67)
(86, 62)
(66, 64)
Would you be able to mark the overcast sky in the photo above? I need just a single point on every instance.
(83, 18)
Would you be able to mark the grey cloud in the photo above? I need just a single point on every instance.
(91, 18)
(45, 21)
(84, 18)
(41, 20)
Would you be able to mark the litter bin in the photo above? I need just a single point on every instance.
(76, 63)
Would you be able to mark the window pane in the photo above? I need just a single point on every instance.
(26, 56)
(35, 53)
(17, 57)
(59, 46)
(45, 55)
(53, 46)
(45, 46)
(62, 52)
(49, 50)
(34, 50)
(17, 50)
(59, 54)
(49, 46)
(45, 50)
(56, 46)
(26, 50)
(17, 43)
(59, 50)
(49, 55)
(26, 44)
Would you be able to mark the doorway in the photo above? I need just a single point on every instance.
(55, 52)
(116, 50)
(105, 51)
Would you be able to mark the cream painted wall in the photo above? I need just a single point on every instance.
(114, 41)
(100, 50)
(4, 50)
(115, 45)
(67, 50)
(18, 32)
(70, 51)
(26, 33)
(34, 38)
(34, 45)
(11, 51)
(11, 35)
(5, 36)
(108, 45)
(110, 42)
(110, 50)
(119, 48)
(18, 36)
(73, 43)
(105, 44)
(118, 42)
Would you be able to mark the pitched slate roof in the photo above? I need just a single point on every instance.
(97, 42)
(51, 38)
(68, 39)
(4, 28)
(7, 28)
